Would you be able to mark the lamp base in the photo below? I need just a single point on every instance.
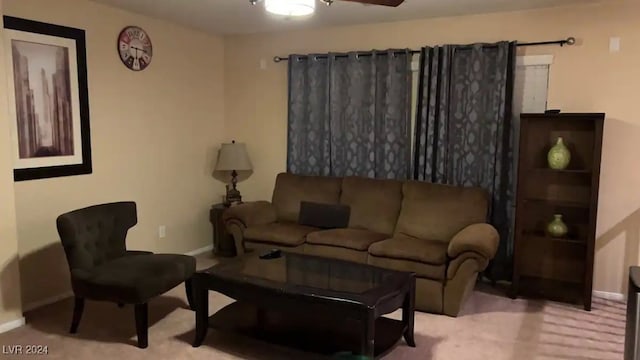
(232, 197)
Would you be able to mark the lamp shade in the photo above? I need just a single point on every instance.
(233, 156)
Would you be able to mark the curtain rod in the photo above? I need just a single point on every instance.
(567, 41)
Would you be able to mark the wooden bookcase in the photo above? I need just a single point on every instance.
(558, 269)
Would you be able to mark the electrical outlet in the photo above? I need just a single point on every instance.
(162, 231)
(614, 44)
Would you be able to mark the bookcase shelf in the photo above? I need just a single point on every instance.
(559, 203)
(541, 236)
(545, 266)
(548, 171)
(551, 289)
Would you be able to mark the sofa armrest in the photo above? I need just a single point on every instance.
(478, 238)
(251, 213)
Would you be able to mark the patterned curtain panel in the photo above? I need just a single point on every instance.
(350, 114)
(308, 131)
(463, 130)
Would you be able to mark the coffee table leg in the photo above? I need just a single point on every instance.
(202, 312)
(408, 312)
(367, 345)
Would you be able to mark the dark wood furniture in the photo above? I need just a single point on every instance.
(544, 266)
(325, 291)
(632, 330)
(103, 269)
(223, 244)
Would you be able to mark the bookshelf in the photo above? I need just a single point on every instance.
(557, 268)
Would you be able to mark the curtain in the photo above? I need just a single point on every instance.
(350, 114)
(308, 131)
(463, 128)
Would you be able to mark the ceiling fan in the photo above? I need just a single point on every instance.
(393, 3)
(307, 7)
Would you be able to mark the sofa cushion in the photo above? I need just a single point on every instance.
(291, 189)
(438, 212)
(356, 239)
(422, 270)
(287, 234)
(375, 203)
(403, 247)
(325, 216)
(335, 252)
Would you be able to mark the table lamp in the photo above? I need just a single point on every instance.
(233, 157)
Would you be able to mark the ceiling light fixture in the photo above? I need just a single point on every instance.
(290, 7)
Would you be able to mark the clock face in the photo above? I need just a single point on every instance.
(134, 47)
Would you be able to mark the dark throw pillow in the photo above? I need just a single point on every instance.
(325, 216)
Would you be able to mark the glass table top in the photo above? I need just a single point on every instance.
(293, 271)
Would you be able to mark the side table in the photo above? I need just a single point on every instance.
(223, 244)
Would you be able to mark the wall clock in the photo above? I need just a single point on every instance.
(134, 48)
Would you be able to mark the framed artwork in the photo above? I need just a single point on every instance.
(48, 99)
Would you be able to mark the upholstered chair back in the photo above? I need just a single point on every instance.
(96, 234)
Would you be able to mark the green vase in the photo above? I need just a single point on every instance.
(559, 156)
(557, 227)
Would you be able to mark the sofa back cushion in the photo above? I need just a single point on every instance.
(375, 204)
(291, 190)
(438, 212)
(324, 216)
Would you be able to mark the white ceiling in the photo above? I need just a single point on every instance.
(238, 16)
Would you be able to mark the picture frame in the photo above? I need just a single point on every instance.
(48, 99)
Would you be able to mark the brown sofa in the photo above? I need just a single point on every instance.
(437, 231)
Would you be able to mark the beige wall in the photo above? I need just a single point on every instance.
(153, 133)
(10, 306)
(583, 78)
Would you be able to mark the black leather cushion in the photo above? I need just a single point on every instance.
(133, 279)
(325, 216)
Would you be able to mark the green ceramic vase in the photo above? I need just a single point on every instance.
(559, 156)
(557, 227)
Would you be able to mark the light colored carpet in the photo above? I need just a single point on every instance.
(491, 327)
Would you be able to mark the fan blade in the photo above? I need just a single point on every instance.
(393, 3)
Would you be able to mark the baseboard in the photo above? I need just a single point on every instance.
(609, 295)
(47, 301)
(10, 325)
(202, 250)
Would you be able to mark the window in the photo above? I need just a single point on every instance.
(531, 86)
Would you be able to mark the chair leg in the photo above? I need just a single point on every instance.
(142, 324)
(78, 307)
(189, 289)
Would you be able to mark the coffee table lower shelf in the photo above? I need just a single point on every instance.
(318, 333)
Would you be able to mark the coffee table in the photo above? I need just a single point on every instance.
(348, 297)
